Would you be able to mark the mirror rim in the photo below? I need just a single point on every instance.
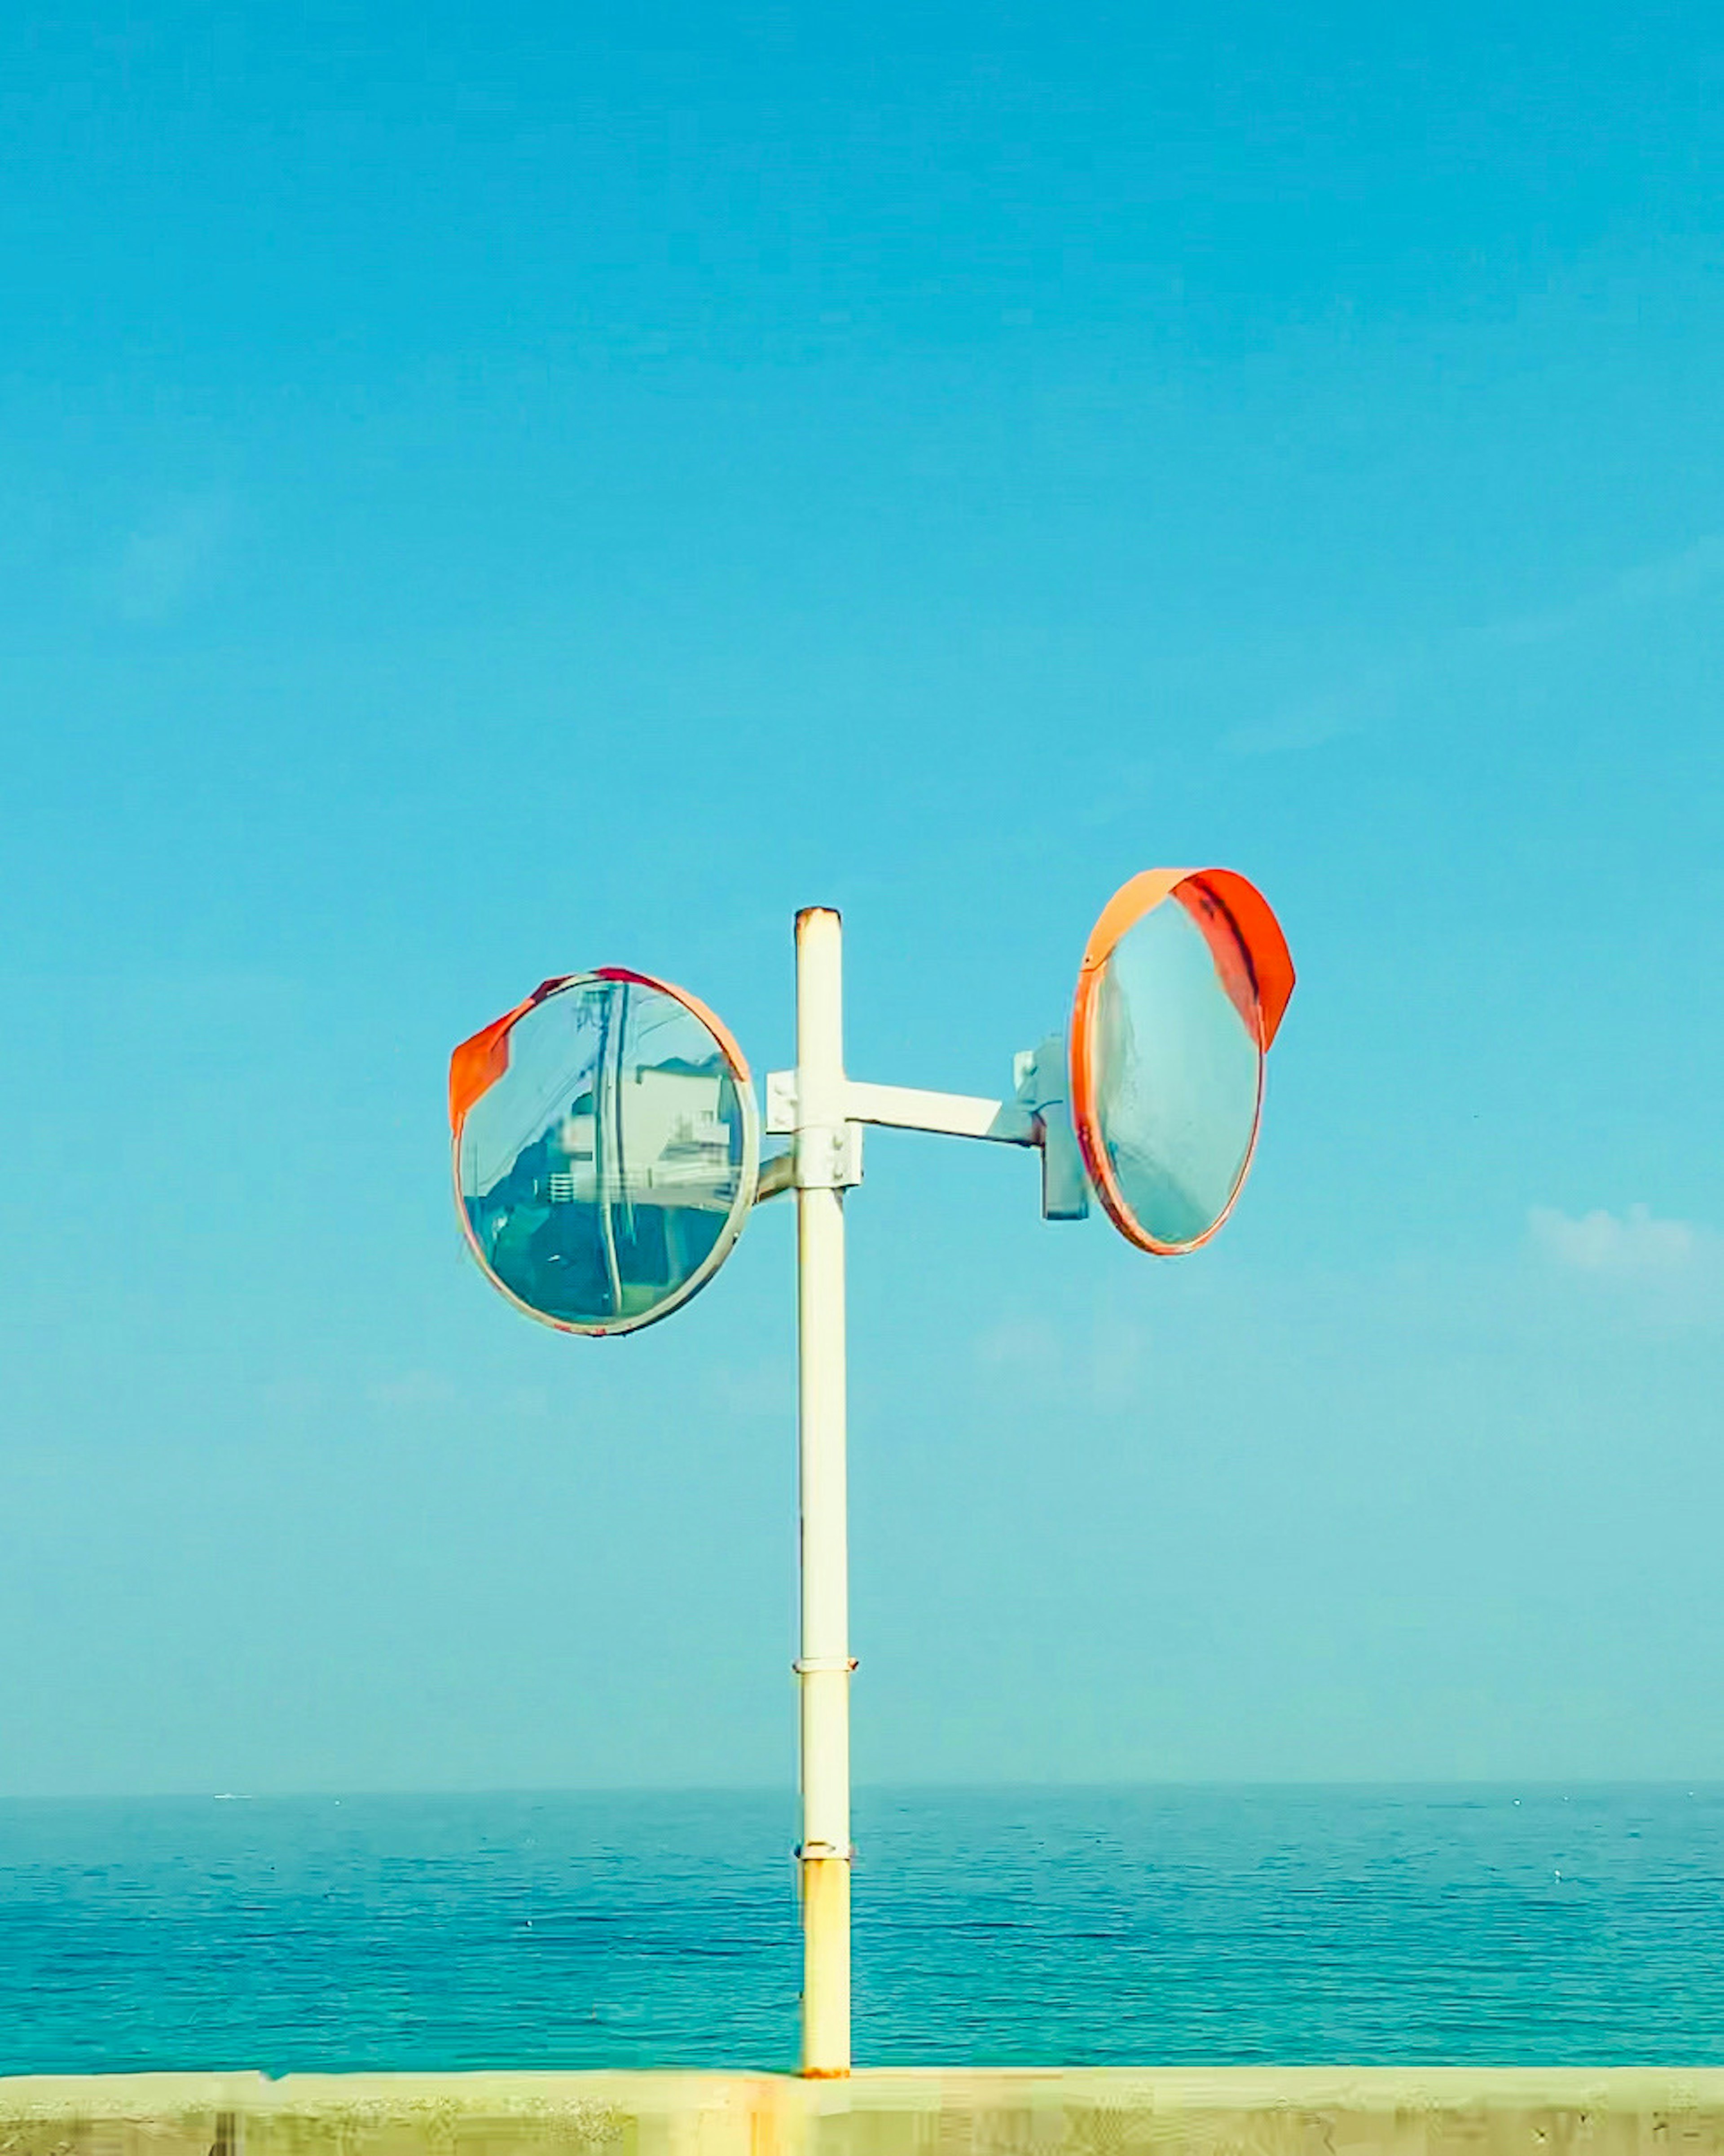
(1271, 963)
(482, 1061)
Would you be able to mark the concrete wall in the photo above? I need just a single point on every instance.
(1124, 2111)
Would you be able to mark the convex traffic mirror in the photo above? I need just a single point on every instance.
(606, 1148)
(1179, 995)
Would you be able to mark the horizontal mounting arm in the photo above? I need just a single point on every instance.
(908, 1108)
(958, 1114)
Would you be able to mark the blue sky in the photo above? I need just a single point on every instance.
(484, 495)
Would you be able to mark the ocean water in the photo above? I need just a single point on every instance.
(1073, 1927)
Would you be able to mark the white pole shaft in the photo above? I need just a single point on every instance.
(823, 1668)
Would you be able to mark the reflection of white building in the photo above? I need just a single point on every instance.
(673, 1142)
(674, 1139)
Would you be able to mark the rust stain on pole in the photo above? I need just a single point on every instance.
(826, 1976)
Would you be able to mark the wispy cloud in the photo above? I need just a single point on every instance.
(1674, 576)
(1634, 1243)
(1371, 697)
(1101, 1360)
(1667, 578)
(1672, 1267)
(428, 1394)
(764, 1388)
(413, 1389)
(168, 557)
(1313, 721)
(1023, 1347)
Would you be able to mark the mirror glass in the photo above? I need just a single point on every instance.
(1176, 1054)
(602, 1174)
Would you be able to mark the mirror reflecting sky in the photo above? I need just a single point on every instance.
(1177, 1066)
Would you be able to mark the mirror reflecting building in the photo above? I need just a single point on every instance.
(605, 1172)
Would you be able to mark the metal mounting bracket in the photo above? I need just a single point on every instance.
(1039, 1074)
(828, 1156)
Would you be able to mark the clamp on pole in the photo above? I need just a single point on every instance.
(826, 1151)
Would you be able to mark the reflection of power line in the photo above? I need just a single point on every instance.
(630, 1011)
(608, 1126)
(565, 1074)
(647, 1022)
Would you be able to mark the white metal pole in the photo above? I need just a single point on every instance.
(823, 1165)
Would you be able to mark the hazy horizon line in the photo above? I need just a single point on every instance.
(788, 1794)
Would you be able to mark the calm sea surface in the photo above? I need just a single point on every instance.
(1069, 1927)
